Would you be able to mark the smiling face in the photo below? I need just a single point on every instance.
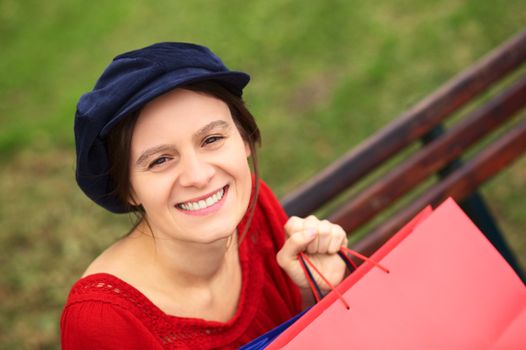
(189, 168)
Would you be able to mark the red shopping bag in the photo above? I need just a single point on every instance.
(447, 288)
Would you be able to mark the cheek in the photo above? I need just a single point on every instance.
(241, 165)
(148, 191)
(245, 174)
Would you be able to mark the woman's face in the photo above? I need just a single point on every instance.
(189, 168)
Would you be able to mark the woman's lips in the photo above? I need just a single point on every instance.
(206, 204)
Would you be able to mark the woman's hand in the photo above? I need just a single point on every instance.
(320, 240)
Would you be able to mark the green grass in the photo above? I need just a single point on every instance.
(325, 75)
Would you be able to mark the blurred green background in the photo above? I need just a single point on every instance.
(325, 75)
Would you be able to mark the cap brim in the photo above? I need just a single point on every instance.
(234, 81)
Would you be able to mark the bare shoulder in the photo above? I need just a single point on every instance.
(117, 259)
(105, 262)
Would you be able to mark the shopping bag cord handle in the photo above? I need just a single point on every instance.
(343, 253)
(363, 257)
(340, 296)
(315, 289)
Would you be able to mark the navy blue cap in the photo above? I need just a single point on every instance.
(128, 83)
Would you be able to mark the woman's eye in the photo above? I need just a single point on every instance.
(157, 162)
(212, 139)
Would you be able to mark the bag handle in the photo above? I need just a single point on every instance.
(343, 253)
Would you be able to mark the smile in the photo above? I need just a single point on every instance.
(203, 203)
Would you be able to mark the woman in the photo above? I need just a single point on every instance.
(212, 260)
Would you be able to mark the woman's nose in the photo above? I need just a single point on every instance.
(195, 172)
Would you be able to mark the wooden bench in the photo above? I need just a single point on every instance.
(392, 166)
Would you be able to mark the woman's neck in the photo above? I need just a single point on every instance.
(189, 263)
(207, 277)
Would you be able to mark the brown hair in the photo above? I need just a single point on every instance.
(119, 145)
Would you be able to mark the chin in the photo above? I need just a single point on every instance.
(217, 233)
(221, 227)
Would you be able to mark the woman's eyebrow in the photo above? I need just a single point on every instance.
(216, 124)
(151, 151)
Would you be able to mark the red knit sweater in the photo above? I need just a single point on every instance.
(104, 312)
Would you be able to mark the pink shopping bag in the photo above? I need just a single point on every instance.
(447, 288)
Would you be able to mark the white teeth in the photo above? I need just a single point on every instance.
(204, 203)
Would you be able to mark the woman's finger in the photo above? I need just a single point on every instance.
(293, 225)
(324, 236)
(339, 238)
(311, 223)
(294, 245)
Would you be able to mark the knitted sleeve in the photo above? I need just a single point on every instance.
(105, 326)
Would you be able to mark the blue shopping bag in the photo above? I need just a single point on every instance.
(264, 340)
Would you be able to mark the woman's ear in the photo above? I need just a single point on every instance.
(248, 151)
(131, 199)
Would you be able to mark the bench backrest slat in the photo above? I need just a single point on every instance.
(431, 158)
(407, 128)
(459, 184)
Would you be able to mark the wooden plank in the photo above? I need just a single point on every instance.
(428, 160)
(459, 184)
(405, 129)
